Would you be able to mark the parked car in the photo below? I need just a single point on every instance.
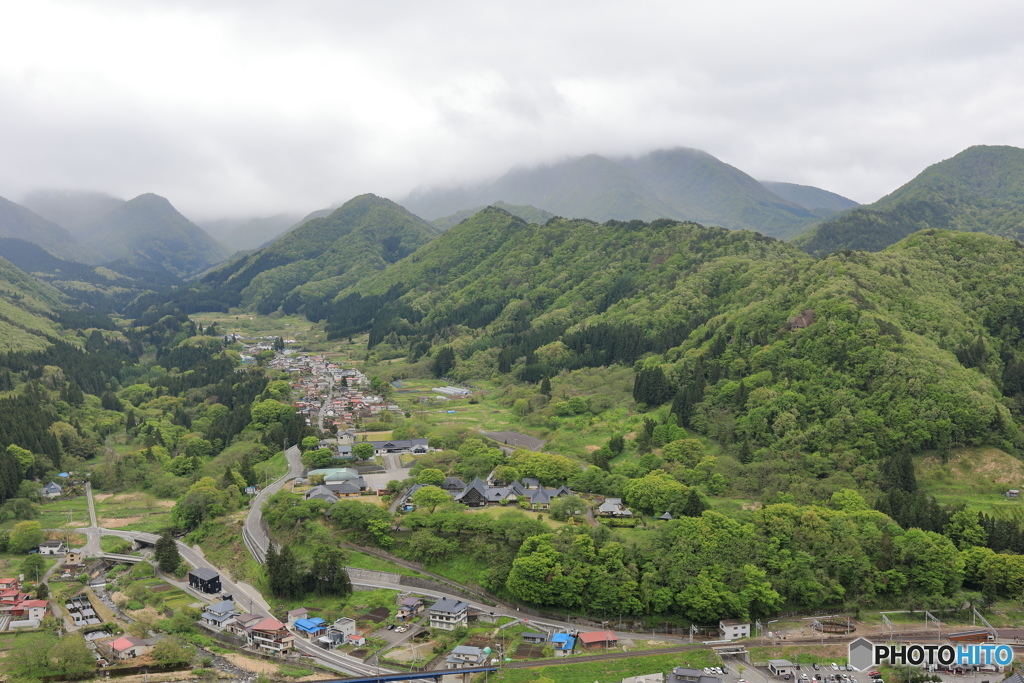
(848, 667)
(724, 670)
(874, 674)
(390, 626)
(401, 629)
(835, 667)
(814, 665)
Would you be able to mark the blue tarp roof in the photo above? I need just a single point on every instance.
(314, 624)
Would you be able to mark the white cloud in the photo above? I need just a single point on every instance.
(257, 107)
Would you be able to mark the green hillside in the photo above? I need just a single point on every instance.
(309, 264)
(813, 198)
(106, 288)
(18, 222)
(680, 183)
(150, 233)
(26, 305)
(979, 190)
(918, 347)
(530, 214)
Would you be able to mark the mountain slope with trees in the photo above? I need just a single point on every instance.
(813, 198)
(150, 233)
(776, 355)
(680, 183)
(18, 222)
(309, 264)
(979, 190)
(106, 288)
(27, 310)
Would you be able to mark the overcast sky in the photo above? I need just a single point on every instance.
(251, 108)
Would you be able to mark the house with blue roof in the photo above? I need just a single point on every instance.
(563, 644)
(311, 627)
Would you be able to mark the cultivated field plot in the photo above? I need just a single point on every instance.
(136, 511)
(59, 514)
(528, 651)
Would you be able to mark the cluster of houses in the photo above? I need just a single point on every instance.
(261, 633)
(342, 393)
(17, 609)
(480, 494)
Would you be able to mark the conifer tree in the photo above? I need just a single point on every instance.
(166, 553)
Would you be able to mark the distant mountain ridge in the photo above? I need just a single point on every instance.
(148, 232)
(19, 222)
(680, 183)
(981, 189)
(73, 210)
(530, 214)
(311, 263)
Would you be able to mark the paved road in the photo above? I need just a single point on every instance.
(252, 532)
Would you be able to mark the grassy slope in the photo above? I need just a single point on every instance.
(610, 671)
(977, 477)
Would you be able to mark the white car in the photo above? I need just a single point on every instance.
(401, 629)
(835, 667)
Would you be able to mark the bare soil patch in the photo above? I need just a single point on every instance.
(114, 522)
(408, 653)
(98, 497)
(255, 665)
(360, 654)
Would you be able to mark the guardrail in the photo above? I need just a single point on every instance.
(259, 553)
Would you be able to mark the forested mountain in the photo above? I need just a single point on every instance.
(311, 263)
(979, 190)
(150, 233)
(106, 288)
(250, 233)
(530, 214)
(72, 210)
(809, 197)
(21, 223)
(680, 183)
(27, 309)
(853, 358)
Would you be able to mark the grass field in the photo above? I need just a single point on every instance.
(822, 654)
(362, 560)
(115, 544)
(59, 514)
(977, 477)
(135, 511)
(498, 510)
(610, 671)
(273, 468)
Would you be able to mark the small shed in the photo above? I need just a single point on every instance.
(204, 579)
(537, 638)
(780, 667)
(1013, 493)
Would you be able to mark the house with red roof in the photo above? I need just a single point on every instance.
(30, 609)
(271, 636)
(598, 639)
(127, 647)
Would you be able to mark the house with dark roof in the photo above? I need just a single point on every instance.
(535, 638)
(219, 613)
(320, 493)
(54, 547)
(409, 607)
(52, 490)
(453, 484)
(204, 579)
(448, 614)
(465, 656)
